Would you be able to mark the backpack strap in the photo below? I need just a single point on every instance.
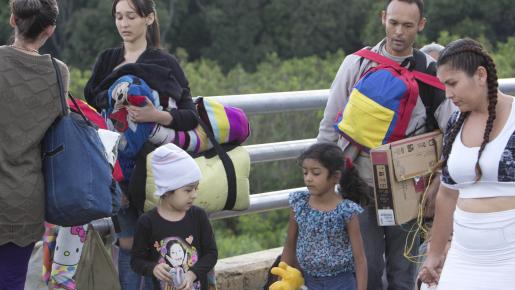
(432, 96)
(376, 57)
(423, 70)
(421, 62)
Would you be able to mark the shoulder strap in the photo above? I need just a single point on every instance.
(423, 77)
(376, 57)
(64, 107)
(420, 61)
(426, 73)
(362, 58)
(226, 161)
(432, 95)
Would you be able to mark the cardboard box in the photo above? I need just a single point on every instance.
(400, 171)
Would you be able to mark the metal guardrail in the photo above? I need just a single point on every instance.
(507, 86)
(277, 151)
(261, 202)
(274, 103)
(302, 100)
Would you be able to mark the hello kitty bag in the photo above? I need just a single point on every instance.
(62, 248)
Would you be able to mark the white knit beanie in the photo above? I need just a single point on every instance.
(173, 168)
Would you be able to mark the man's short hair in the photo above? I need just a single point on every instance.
(420, 5)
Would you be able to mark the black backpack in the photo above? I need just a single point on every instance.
(431, 97)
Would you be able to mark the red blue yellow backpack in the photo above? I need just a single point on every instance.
(380, 104)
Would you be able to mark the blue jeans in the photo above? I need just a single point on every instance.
(127, 218)
(129, 280)
(342, 281)
(387, 242)
(14, 261)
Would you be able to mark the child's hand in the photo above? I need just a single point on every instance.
(162, 272)
(189, 278)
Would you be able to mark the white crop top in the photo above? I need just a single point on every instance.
(497, 164)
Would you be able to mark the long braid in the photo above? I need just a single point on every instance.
(492, 102)
(467, 55)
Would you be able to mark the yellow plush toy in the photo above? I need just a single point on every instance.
(291, 278)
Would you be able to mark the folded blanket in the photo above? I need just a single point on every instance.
(125, 91)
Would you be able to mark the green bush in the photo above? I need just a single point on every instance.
(78, 80)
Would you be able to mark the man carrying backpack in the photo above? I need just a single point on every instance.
(425, 108)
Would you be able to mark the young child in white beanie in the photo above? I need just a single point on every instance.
(174, 242)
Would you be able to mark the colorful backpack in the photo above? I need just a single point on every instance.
(381, 103)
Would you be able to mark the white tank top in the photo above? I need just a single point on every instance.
(497, 165)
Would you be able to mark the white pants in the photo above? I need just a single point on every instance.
(482, 253)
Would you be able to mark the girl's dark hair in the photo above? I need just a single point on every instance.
(467, 55)
(352, 187)
(33, 16)
(144, 8)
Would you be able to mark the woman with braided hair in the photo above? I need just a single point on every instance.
(476, 198)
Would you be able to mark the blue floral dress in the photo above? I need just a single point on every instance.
(323, 244)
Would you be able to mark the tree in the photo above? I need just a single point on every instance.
(5, 28)
(304, 28)
(236, 29)
(187, 28)
(373, 30)
(493, 19)
(91, 31)
(505, 58)
(246, 31)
